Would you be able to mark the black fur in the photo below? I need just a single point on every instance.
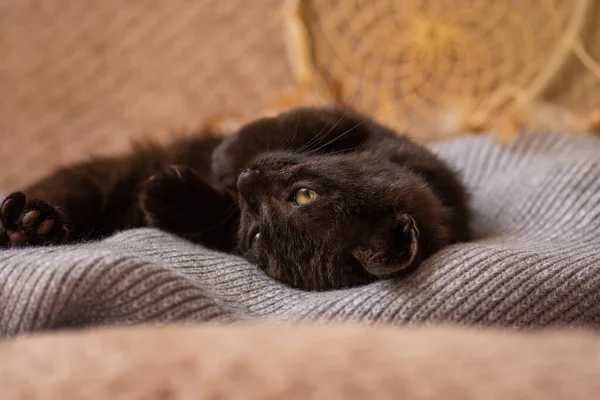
(383, 203)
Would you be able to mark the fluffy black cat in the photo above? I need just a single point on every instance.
(319, 198)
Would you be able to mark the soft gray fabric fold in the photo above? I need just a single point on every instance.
(535, 261)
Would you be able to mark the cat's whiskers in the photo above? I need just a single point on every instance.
(334, 139)
(346, 132)
(288, 142)
(319, 137)
(289, 138)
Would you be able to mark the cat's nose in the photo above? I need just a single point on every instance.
(247, 180)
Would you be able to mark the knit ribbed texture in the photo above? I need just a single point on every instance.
(535, 261)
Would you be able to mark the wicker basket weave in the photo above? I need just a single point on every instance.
(443, 67)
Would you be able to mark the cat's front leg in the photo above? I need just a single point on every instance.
(178, 200)
(27, 221)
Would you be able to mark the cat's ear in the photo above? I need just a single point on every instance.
(393, 250)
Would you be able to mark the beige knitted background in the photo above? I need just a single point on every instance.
(84, 77)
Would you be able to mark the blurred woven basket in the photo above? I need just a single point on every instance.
(444, 67)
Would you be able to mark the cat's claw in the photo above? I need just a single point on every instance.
(29, 222)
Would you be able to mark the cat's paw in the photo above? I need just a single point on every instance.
(168, 195)
(179, 201)
(29, 222)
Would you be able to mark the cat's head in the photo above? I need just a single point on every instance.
(333, 221)
(321, 221)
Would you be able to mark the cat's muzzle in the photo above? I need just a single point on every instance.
(247, 181)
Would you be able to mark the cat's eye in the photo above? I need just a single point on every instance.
(304, 196)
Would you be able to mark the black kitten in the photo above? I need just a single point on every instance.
(319, 198)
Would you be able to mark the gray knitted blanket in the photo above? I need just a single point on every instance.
(535, 261)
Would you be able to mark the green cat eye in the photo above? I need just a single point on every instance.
(304, 196)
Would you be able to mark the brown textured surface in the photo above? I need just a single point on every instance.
(277, 362)
(84, 77)
(439, 68)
